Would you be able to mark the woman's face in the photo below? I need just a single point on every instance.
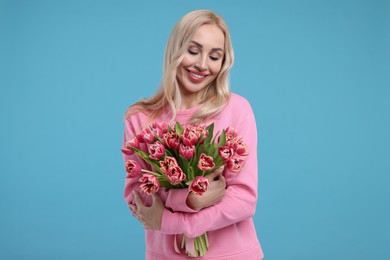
(201, 63)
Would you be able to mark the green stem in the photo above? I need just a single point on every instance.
(183, 241)
(154, 173)
(204, 248)
(206, 240)
(197, 247)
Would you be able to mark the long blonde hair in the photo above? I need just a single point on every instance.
(168, 97)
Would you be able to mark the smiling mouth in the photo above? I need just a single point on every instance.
(196, 76)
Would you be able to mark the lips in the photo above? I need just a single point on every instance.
(196, 76)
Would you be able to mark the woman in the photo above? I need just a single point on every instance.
(195, 90)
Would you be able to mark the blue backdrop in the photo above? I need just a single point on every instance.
(315, 72)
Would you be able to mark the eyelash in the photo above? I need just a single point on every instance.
(192, 52)
(195, 53)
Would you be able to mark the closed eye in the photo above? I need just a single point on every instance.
(192, 52)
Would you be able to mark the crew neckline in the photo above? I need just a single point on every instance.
(187, 112)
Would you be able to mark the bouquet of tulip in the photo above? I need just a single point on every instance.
(181, 157)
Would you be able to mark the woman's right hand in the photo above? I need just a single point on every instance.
(213, 195)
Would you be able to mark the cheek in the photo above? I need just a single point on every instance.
(216, 68)
(187, 61)
(182, 68)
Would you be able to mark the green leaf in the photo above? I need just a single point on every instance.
(183, 163)
(178, 129)
(168, 152)
(191, 174)
(210, 130)
(154, 173)
(159, 139)
(215, 137)
(222, 138)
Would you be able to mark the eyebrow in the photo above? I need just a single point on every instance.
(201, 46)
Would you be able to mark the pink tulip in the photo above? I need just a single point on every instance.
(175, 174)
(231, 144)
(171, 140)
(127, 151)
(132, 168)
(205, 162)
(156, 150)
(241, 149)
(168, 162)
(132, 143)
(190, 136)
(235, 164)
(199, 185)
(140, 137)
(187, 151)
(201, 132)
(231, 133)
(147, 135)
(159, 128)
(128, 144)
(225, 152)
(149, 183)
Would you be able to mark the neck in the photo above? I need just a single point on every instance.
(190, 100)
(187, 104)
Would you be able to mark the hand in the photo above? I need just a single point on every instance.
(149, 216)
(214, 194)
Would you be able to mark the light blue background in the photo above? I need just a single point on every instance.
(315, 72)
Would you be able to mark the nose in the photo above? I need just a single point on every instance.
(201, 63)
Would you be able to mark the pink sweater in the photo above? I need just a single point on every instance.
(229, 224)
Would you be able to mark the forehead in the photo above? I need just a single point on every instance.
(210, 36)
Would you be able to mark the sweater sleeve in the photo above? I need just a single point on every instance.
(177, 200)
(239, 202)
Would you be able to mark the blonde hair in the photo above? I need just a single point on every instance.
(168, 97)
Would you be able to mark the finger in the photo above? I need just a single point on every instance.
(216, 173)
(213, 175)
(140, 219)
(134, 211)
(137, 200)
(219, 170)
(155, 198)
(135, 214)
(218, 184)
(132, 208)
(222, 179)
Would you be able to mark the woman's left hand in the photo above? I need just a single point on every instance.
(150, 216)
